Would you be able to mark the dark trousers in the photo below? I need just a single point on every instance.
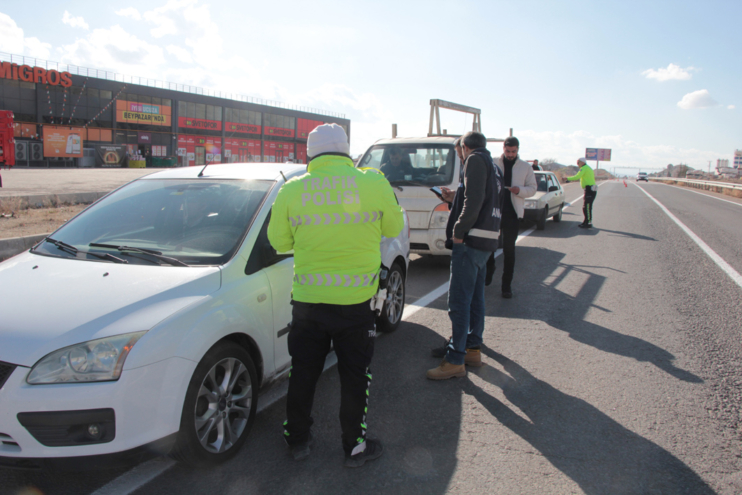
(587, 204)
(509, 227)
(351, 330)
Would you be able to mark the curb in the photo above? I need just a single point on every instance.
(16, 245)
(41, 200)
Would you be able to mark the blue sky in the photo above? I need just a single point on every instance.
(657, 82)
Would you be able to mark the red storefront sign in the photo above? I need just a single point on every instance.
(301, 153)
(207, 148)
(243, 128)
(278, 152)
(242, 150)
(305, 126)
(203, 124)
(39, 75)
(279, 131)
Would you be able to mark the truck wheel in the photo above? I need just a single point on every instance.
(219, 407)
(391, 313)
(541, 222)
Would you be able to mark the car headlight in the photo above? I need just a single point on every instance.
(531, 204)
(439, 219)
(93, 361)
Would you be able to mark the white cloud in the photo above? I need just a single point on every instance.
(116, 50)
(672, 72)
(163, 19)
(731, 107)
(13, 41)
(180, 53)
(697, 99)
(130, 12)
(74, 21)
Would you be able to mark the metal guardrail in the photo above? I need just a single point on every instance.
(703, 183)
(156, 83)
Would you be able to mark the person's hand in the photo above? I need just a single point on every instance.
(457, 241)
(514, 189)
(447, 194)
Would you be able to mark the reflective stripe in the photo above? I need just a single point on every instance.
(336, 280)
(487, 234)
(336, 218)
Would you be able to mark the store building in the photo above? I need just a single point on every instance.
(88, 116)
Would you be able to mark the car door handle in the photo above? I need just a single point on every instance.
(262, 297)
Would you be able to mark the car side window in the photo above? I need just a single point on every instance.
(263, 255)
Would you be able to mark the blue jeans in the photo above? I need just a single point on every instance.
(466, 300)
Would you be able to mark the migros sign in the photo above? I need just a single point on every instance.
(30, 74)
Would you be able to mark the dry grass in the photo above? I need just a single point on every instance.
(735, 193)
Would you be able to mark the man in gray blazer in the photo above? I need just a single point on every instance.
(521, 182)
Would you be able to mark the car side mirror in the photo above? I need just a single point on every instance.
(553, 188)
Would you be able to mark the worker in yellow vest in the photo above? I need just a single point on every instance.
(333, 218)
(587, 181)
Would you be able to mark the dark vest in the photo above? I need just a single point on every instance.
(486, 230)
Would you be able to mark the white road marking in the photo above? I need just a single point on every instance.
(142, 474)
(682, 188)
(726, 267)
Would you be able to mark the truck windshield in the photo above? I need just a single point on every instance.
(412, 164)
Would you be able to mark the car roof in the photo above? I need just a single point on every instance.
(416, 140)
(245, 171)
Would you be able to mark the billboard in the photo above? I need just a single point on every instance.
(209, 125)
(65, 142)
(110, 155)
(141, 113)
(599, 154)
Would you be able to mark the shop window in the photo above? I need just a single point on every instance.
(191, 110)
(93, 92)
(200, 111)
(255, 118)
(145, 99)
(182, 109)
(218, 113)
(156, 101)
(244, 117)
(167, 103)
(209, 112)
(105, 95)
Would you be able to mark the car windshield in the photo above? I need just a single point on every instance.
(419, 164)
(195, 221)
(542, 182)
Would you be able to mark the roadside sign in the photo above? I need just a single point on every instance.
(599, 154)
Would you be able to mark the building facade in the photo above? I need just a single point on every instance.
(62, 112)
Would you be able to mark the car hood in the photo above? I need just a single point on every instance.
(47, 303)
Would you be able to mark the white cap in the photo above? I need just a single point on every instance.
(327, 138)
(583, 160)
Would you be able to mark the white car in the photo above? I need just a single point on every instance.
(413, 166)
(547, 202)
(152, 320)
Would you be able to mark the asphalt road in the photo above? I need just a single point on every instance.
(616, 368)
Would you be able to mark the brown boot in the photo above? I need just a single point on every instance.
(446, 370)
(473, 357)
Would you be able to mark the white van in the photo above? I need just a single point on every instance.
(413, 166)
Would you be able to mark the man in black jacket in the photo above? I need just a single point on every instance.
(472, 232)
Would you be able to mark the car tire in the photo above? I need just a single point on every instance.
(223, 392)
(541, 222)
(391, 313)
(558, 216)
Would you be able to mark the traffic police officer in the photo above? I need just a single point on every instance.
(333, 218)
(587, 182)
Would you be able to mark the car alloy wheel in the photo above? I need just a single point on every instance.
(391, 313)
(219, 407)
(223, 405)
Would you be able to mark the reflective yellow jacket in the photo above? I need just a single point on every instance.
(586, 176)
(333, 218)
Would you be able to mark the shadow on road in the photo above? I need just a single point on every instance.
(595, 451)
(567, 313)
(418, 422)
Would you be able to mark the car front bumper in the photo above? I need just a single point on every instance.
(429, 241)
(146, 402)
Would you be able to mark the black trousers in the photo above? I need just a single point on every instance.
(351, 330)
(509, 226)
(587, 204)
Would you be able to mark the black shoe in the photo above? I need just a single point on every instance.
(373, 451)
(507, 294)
(301, 451)
(585, 226)
(440, 352)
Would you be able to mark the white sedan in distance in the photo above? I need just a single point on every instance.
(152, 320)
